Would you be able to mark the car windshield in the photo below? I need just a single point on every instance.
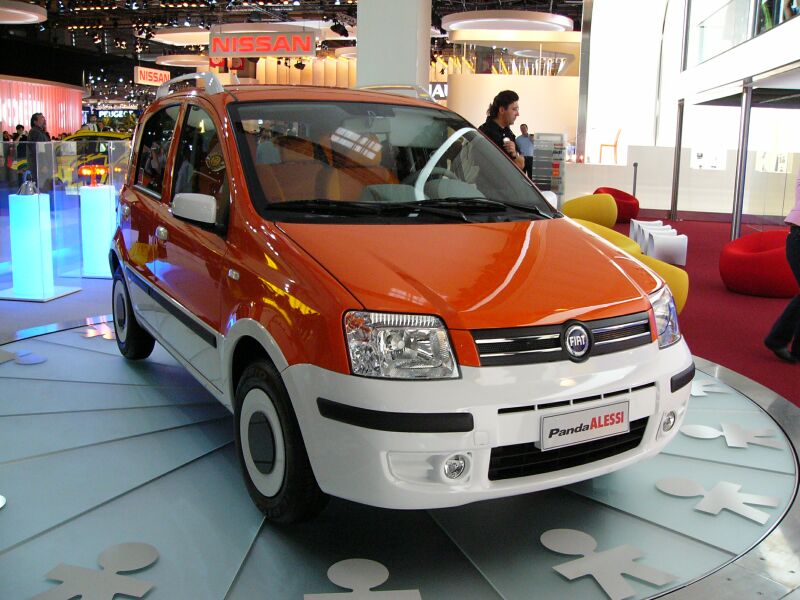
(376, 163)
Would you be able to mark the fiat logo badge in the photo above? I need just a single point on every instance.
(576, 341)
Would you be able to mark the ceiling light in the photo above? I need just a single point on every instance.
(13, 12)
(507, 20)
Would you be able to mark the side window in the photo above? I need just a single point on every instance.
(199, 163)
(154, 146)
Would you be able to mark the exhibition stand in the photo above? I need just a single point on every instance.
(98, 221)
(30, 230)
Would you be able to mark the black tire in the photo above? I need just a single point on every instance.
(270, 447)
(134, 343)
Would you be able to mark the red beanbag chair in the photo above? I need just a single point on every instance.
(627, 205)
(756, 264)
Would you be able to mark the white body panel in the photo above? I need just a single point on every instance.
(400, 470)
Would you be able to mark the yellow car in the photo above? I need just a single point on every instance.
(85, 155)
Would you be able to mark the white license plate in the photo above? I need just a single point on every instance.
(580, 426)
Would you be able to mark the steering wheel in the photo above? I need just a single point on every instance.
(436, 173)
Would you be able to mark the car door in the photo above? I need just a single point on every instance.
(189, 254)
(138, 204)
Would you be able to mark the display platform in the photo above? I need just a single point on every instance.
(121, 478)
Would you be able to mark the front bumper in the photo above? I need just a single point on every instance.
(361, 449)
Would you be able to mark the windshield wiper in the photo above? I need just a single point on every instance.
(321, 207)
(481, 202)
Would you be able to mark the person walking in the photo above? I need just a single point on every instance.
(37, 133)
(525, 145)
(501, 114)
(786, 329)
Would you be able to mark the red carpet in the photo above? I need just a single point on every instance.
(725, 327)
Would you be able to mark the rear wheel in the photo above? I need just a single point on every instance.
(132, 340)
(271, 450)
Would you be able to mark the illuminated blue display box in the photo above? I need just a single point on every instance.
(32, 251)
(98, 222)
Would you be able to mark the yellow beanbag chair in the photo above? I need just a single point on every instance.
(677, 279)
(597, 208)
(621, 241)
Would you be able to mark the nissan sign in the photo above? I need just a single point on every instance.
(146, 76)
(245, 44)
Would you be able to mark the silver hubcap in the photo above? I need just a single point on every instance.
(263, 446)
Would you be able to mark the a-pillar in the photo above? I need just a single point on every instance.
(394, 42)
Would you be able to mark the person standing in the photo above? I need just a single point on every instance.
(7, 156)
(501, 114)
(786, 329)
(525, 145)
(37, 133)
(92, 124)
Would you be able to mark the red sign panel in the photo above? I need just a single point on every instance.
(243, 44)
(146, 76)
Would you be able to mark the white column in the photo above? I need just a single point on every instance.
(394, 40)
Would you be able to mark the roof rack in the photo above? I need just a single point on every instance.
(212, 83)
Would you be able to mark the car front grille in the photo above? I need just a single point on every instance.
(542, 344)
(522, 460)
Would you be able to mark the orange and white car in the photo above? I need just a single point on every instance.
(387, 305)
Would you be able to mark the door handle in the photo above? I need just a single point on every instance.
(126, 211)
(162, 233)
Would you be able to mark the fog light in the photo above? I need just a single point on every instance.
(455, 466)
(669, 421)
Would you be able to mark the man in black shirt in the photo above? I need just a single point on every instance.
(37, 133)
(502, 113)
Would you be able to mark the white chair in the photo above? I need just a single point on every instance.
(667, 246)
(636, 224)
(646, 229)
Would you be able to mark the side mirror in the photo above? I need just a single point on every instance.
(195, 207)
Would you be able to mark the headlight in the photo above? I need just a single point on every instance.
(398, 346)
(666, 317)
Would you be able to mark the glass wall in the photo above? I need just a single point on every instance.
(716, 26)
(773, 163)
(774, 12)
(708, 159)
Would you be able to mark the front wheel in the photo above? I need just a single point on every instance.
(271, 450)
(133, 341)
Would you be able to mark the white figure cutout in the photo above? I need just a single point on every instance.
(26, 357)
(723, 496)
(23, 357)
(735, 436)
(105, 584)
(361, 575)
(702, 388)
(607, 567)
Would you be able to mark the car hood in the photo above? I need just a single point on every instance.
(479, 276)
